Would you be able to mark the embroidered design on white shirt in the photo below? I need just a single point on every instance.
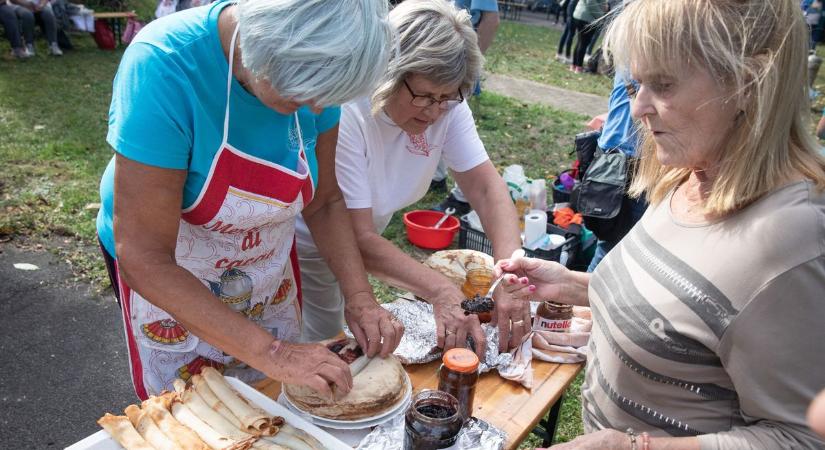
(418, 144)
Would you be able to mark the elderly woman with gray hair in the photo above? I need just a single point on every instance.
(388, 148)
(224, 129)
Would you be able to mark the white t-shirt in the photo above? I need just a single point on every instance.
(380, 166)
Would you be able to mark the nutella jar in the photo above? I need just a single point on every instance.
(553, 317)
(458, 376)
(432, 421)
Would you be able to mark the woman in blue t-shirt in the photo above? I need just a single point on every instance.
(224, 131)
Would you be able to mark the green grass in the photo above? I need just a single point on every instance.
(53, 119)
(528, 51)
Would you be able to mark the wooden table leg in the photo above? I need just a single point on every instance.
(546, 429)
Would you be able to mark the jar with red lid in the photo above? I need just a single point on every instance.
(458, 376)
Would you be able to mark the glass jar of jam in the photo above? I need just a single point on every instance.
(553, 317)
(477, 281)
(458, 376)
(432, 421)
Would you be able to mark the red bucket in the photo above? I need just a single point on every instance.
(420, 229)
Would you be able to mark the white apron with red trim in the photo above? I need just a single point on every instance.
(238, 238)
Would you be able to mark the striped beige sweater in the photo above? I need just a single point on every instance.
(714, 330)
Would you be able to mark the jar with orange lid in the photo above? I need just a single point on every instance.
(458, 376)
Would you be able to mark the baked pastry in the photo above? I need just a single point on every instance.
(378, 384)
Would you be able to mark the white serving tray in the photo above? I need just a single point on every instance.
(102, 441)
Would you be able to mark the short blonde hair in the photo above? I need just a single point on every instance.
(758, 51)
(435, 40)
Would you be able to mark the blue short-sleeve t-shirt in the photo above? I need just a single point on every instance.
(168, 104)
(476, 7)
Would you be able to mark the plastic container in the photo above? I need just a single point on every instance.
(420, 230)
(473, 239)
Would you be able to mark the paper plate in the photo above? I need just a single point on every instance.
(357, 424)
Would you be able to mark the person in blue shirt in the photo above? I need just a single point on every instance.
(224, 130)
(619, 132)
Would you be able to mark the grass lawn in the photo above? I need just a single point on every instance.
(53, 120)
(528, 51)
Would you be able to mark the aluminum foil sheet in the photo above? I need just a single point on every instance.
(476, 434)
(419, 344)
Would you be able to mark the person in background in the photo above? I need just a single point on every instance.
(586, 14)
(707, 316)
(563, 54)
(10, 18)
(558, 10)
(42, 11)
(813, 16)
(224, 125)
(820, 126)
(619, 132)
(485, 19)
(388, 147)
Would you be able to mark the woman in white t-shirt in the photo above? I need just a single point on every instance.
(388, 148)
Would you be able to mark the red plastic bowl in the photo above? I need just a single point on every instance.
(420, 229)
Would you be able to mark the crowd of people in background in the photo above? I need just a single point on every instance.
(18, 18)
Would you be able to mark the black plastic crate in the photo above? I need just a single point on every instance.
(472, 239)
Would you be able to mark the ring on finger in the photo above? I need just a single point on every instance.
(518, 323)
(449, 332)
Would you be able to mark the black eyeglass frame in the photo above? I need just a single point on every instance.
(442, 104)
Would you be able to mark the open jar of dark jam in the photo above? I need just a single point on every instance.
(432, 421)
(458, 376)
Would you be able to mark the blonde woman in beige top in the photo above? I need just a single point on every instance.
(708, 316)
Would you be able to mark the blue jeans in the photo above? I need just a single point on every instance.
(638, 205)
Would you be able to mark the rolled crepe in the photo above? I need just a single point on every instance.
(252, 421)
(202, 388)
(121, 430)
(198, 406)
(157, 408)
(212, 438)
(149, 430)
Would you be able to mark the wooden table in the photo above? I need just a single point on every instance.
(114, 19)
(504, 404)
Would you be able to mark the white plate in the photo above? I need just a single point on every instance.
(358, 424)
(102, 441)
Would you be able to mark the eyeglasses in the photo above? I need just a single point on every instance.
(424, 101)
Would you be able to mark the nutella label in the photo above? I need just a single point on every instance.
(543, 324)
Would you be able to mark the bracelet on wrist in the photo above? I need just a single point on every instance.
(632, 435)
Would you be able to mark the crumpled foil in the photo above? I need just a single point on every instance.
(419, 344)
(476, 434)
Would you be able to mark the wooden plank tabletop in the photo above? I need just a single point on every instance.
(505, 404)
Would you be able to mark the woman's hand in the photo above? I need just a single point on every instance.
(552, 281)
(601, 440)
(517, 288)
(310, 365)
(452, 325)
(376, 330)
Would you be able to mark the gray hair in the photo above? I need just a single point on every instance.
(327, 51)
(435, 40)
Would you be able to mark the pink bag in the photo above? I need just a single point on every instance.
(132, 28)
